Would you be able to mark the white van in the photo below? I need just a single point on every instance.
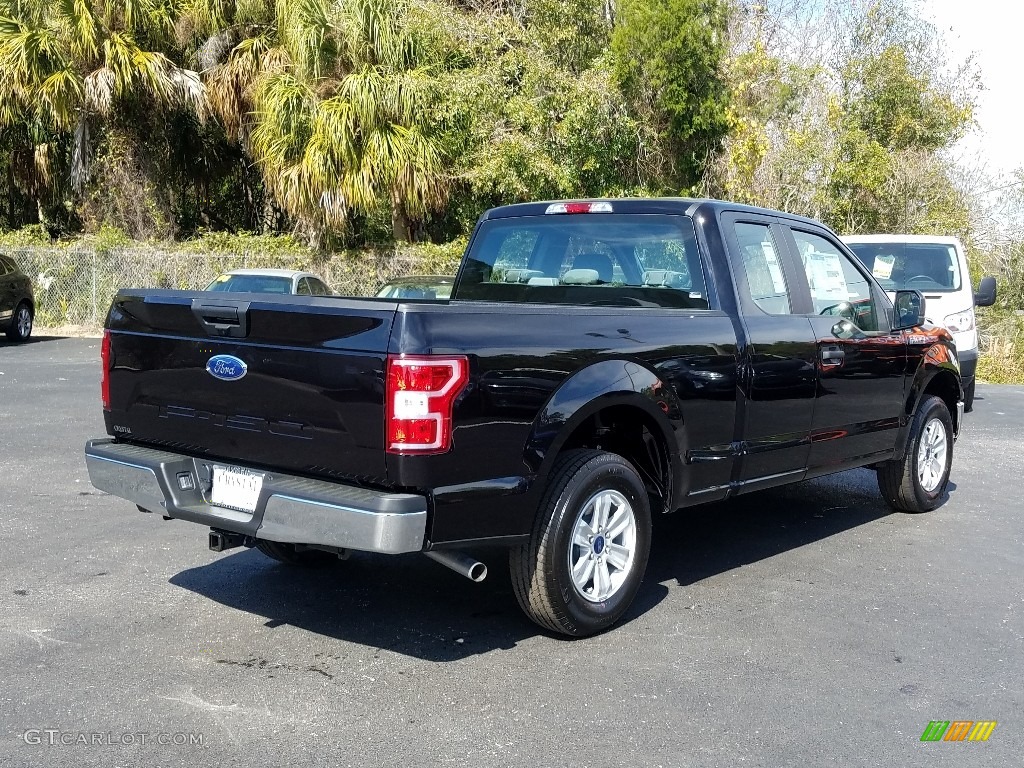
(937, 267)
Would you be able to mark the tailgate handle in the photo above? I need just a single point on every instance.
(229, 319)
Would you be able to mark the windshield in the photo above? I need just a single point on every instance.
(251, 284)
(625, 260)
(929, 267)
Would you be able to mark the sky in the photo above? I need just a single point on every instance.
(994, 31)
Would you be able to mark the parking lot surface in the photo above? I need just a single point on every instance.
(802, 626)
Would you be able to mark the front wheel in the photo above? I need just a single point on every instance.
(916, 482)
(586, 557)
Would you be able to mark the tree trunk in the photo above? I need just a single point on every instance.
(10, 194)
(401, 226)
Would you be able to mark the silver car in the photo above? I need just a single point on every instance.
(418, 287)
(271, 281)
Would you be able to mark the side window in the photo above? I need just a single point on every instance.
(761, 264)
(837, 286)
(514, 254)
(318, 288)
(666, 262)
(6, 267)
(303, 289)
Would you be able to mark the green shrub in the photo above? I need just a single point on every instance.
(1002, 347)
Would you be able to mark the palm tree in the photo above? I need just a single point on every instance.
(334, 100)
(66, 63)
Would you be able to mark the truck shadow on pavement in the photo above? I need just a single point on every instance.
(413, 606)
(708, 540)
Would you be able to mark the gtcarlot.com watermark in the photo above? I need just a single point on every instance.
(55, 737)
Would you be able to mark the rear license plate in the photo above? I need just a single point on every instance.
(236, 487)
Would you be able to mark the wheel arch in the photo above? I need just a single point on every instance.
(614, 405)
(939, 378)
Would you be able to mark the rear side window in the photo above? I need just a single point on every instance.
(628, 260)
(763, 269)
(6, 266)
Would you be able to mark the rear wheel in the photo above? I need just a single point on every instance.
(21, 323)
(916, 482)
(586, 557)
(288, 553)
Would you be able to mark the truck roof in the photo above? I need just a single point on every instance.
(674, 205)
(885, 238)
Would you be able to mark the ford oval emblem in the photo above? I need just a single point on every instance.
(226, 367)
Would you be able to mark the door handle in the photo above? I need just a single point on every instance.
(832, 356)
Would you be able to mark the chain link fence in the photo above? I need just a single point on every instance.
(74, 287)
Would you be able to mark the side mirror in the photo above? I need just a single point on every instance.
(985, 296)
(909, 310)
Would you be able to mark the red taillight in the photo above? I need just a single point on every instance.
(419, 398)
(105, 362)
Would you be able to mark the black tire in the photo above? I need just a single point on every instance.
(287, 553)
(899, 480)
(540, 568)
(969, 397)
(21, 323)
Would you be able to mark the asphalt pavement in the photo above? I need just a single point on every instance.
(802, 626)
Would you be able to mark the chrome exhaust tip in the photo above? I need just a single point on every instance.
(462, 564)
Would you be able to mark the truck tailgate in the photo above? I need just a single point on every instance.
(308, 399)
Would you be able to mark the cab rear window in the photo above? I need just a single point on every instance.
(628, 260)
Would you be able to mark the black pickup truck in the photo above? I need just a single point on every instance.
(599, 362)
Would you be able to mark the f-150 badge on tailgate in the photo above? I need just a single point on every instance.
(226, 367)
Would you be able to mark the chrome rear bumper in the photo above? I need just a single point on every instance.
(290, 509)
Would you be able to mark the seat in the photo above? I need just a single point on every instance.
(666, 278)
(581, 277)
(522, 275)
(655, 277)
(598, 262)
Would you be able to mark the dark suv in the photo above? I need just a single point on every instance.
(17, 307)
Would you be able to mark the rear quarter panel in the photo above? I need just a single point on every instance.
(537, 371)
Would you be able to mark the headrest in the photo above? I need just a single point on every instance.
(581, 277)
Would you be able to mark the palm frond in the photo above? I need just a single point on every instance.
(260, 12)
(60, 94)
(216, 48)
(188, 91)
(99, 91)
(79, 24)
(209, 17)
(29, 55)
(42, 158)
(306, 29)
(284, 109)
